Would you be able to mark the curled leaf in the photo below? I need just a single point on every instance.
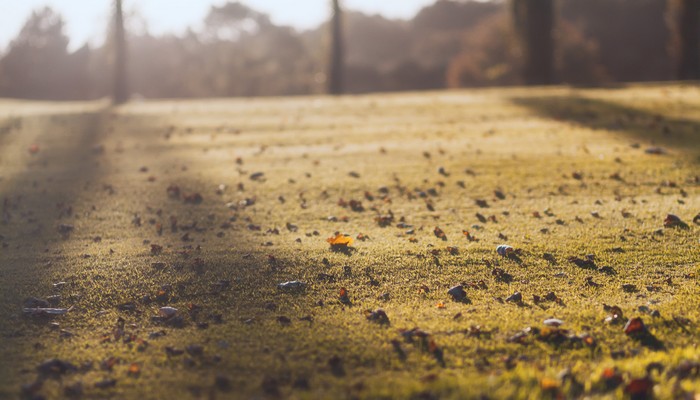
(167, 312)
(439, 233)
(635, 326)
(673, 221)
(504, 250)
(516, 297)
(457, 293)
(555, 322)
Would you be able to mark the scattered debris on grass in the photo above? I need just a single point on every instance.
(504, 250)
(457, 293)
(45, 311)
(292, 286)
(673, 221)
(379, 316)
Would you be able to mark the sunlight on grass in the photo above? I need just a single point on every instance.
(561, 175)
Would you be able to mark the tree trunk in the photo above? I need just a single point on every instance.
(685, 26)
(534, 22)
(335, 70)
(121, 90)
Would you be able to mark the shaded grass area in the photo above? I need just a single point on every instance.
(564, 182)
(664, 122)
(27, 221)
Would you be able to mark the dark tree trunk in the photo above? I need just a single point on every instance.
(685, 25)
(534, 22)
(121, 90)
(335, 69)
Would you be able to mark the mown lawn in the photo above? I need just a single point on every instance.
(206, 206)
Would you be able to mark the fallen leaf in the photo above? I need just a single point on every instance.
(549, 384)
(635, 326)
(343, 296)
(640, 388)
(439, 233)
(134, 369)
(611, 378)
(340, 240)
(379, 316)
(457, 293)
(504, 250)
(673, 221)
(156, 249)
(516, 297)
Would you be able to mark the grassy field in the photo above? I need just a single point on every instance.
(206, 206)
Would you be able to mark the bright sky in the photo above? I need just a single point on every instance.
(86, 19)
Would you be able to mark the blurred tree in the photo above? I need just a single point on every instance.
(631, 34)
(683, 17)
(335, 68)
(232, 20)
(362, 46)
(450, 15)
(37, 64)
(437, 34)
(240, 52)
(489, 56)
(120, 92)
(577, 57)
(534, 22)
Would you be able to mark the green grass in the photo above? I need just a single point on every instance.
(526, 143)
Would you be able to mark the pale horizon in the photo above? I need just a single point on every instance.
(86, 21)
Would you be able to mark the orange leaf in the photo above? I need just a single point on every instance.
(609, 373)
(134, 369)
(340, 240)
(549, 384)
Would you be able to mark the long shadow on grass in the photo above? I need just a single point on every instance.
(32, 188)
(44, 200)
(33, 196)
(56, 187)
(653, 129)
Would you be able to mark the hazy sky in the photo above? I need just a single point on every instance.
(86, 19)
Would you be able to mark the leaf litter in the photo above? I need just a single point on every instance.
(396, 255)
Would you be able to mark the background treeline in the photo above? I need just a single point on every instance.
(240, 52)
